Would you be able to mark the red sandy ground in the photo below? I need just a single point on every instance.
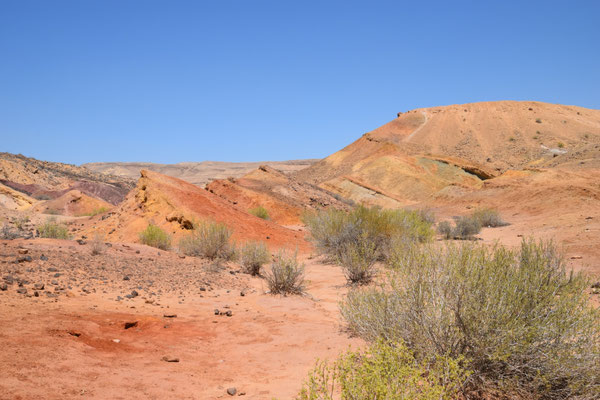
(264, 350)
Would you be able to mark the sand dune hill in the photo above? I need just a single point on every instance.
(73, 203)
(175, 205)
(424, 151)
(285, 198)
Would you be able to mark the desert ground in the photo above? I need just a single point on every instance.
(103, 316)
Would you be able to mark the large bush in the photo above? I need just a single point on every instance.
(154, 236)
(387, 371)
(286, 275)
(210, 240)
(254, 256)
(525, 325)
(53, 230)
(333, 230)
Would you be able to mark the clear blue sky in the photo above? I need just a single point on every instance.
(250, 80)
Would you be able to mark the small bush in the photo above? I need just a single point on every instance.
(209, 240)
(385, 371)
(259, 212)
(561, 145)
(97, 245)
(332, 230)
(466, 227)
(154, 236)
(488, 217)
(254, 256)
(523, 323)
(96, 211)
(445, 229)
(286, 275)
(358, 260)
(53, 230)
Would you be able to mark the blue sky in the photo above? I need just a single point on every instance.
(170, 81)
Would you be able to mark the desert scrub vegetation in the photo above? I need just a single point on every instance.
(357, 260)
(335, 231)
(466, 227)
(488, 217)
(384, 370)
(156, 237)
(211, 240)
(286, 275)
(259, 212)
(53, 230)
(97, 245)
(524, 325)
(94, 212)
(254, 255)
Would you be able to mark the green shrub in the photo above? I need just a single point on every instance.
(445, 229)
(96, 211)
(53, 230)
(466, 227)
(259, 212)
(357, 260)
(286, 275)
(154, 236)
(332, 230)
(560, 145)
(488, 217)
(209, 240)
(384, 371)
(522, 322)
(254, 256)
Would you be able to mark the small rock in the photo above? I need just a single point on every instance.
(52, 269)
(4, 287)
(596, 285)
(24, 259)
(43, 258)
(170, 315)
(81, 242)
(217, 312)
(170, 359)
(229, 313)
(22, 291)
(231, 391)
(243, 293)
(23, 251)
(125, 278)
(54, 282)
(38, 286)
(134, 293)
(576, 257)
(131, 324)
(74, 333)
(117, 340)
